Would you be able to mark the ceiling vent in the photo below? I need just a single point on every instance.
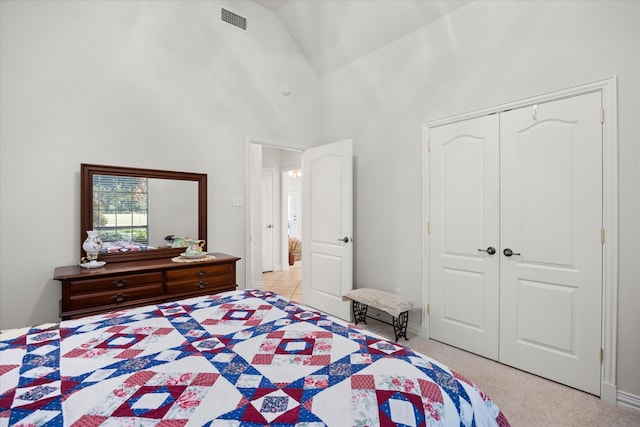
(234, 19)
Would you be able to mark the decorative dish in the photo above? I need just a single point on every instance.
(192, 256)
(92, 264)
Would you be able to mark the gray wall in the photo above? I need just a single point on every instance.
(162, 85)
(485, 54)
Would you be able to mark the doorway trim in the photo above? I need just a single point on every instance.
(253, 177)
(609, 89)
(285, 212)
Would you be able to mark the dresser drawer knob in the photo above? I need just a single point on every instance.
(201, 273)
(201, 285)
(120, 283)
(119, 297)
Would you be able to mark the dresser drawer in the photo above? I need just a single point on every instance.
(113, 291)
(114, 298)
(120, 283)
(201, 279)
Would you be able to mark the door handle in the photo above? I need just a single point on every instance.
(490, 250)
(509, 252)
(345, 239)
(269, 226)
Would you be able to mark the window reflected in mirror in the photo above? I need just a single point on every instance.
(120, 208)
(140, 213)
(137, 211)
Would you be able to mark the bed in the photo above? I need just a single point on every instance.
(241, 358)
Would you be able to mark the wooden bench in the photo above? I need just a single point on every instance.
(397, 306)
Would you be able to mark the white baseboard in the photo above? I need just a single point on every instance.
(629, 401)
(414, 328)
(258, 284)
(608, 393)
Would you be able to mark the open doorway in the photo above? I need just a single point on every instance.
(287, 280)
(327, 222)
(274, 217)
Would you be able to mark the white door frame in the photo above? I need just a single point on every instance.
(253, 251)
(284, 208)
(609, 89)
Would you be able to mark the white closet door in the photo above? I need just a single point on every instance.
(464, 194)
(551, 218)
(267, 220)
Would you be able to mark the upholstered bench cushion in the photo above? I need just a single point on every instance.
(391, 303)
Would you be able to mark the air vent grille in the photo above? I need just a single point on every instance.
(234, 19)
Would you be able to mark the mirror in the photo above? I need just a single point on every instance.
(156, 204)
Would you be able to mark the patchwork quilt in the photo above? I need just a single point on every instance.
(242, 358)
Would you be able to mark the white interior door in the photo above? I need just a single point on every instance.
(267, 220)
(464, 235)
(551, 218)
(327, 251)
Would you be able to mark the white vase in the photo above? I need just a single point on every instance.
(92, 245)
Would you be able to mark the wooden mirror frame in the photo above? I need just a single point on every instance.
(87, 171)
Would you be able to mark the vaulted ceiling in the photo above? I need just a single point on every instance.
(333, 33)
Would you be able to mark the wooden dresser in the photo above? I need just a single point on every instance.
(135, 283)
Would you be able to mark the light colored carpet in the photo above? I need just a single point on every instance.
(525, 399)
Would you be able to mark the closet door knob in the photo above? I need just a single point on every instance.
(490, 250)
(509, 252)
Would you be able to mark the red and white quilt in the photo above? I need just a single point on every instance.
(242, 358)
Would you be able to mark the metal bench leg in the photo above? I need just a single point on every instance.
(359, 312)
(400, 325)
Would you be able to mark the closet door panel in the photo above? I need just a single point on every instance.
(546, 177)
(464, 281)
(551, 219)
